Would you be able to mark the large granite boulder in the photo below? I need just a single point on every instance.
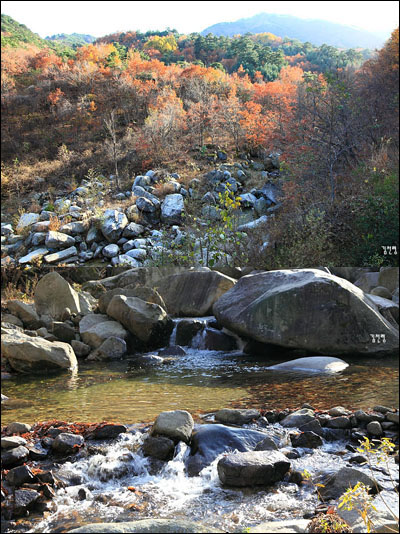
(389, 278)
(307, 309)
(192, 293)
(172, 209)
(25, 312)
(25, 353)
(315, 364)
(53, 294)
(252, 468)
(148, 322)
(144, 293)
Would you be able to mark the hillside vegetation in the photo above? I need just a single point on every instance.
(181, 104)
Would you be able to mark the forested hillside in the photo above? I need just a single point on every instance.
(135, 101)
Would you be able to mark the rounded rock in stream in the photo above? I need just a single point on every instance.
(177, 425)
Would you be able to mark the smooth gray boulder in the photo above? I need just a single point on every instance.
(307, 309)
(298, 418)
(141, 292)
(25, 353)
(25, 312)
(367, 281)
(388, 308)
(252, 468)
(389, 278)
(148, 322)
(53, 294)
(321, 364)
(232, 416)
(177, 425)
(337, 483)
(192, 293)
(58, 240)
(288, 526)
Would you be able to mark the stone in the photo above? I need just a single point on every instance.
(339, 422)
(193, 293)
(393, 417)
(298, 418)
(26, 313)
(368, 417)
(138, 254)
(177, 425)
(252, 468)
(367, 281)
(53, 294)
(374, 428)
(113, 225)
(159, 447)
(94, 329)
(313, 426)
(13, 457)
(38, 238)
(11, 319)
(213, 339)
(26, 220)
(267, 444)
(25, 353)
(132, 230)
(148, 322)
(19, 475)
(231, 416)
(142, 292)
(33, 255)
(381, 291)
(210, 440)
(24, 500)
(338, 411)
(287, 526)
(305, 309)
(307, 439)
(10, 442)
(108, 431)
(172, 209)
(81, 349)
(111, 349)
(336, 484)
(63, 331)
(58, 240)
(322, 364)
(110, 251)
(18, 428)
(66, 443)
(389, 278)
(388, 308)
(150, 526)
(61, 255)
(186, 331)
(75, 228)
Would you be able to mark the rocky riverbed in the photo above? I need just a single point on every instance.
(220, 472)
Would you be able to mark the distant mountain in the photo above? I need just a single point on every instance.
(72, 39)
(15, 34)
(317, 32)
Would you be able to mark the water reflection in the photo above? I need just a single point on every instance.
(201, 380)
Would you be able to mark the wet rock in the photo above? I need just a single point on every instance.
(374, 428)
(11, 319)
(339, 422)
(217, 340)
(175, 350)
(148, 322)
(19, 475)
(25, 353)
(308, 440)
(177, 425)
(276, 306)
(186, 331)
(231, 416)
(210, 440)
(53, 294)
(298, 418)
(26, 313)
(393, 417)
(267, 444)
(252, 468)
(338, 411)
(358, 459)
(25, 500)
(148, 360)
(12, 441)
(14, 457)
(108, 431)
(312, 426)
(37, 454)
(111, 349)
(368, 417)
(339, 482)
(66, 443)
(159, 447)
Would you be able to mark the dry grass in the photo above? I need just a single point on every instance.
(55, 223)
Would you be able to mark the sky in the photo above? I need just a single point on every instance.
(104, 17)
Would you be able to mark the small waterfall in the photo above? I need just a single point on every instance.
(198, 342)
(172, 339)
